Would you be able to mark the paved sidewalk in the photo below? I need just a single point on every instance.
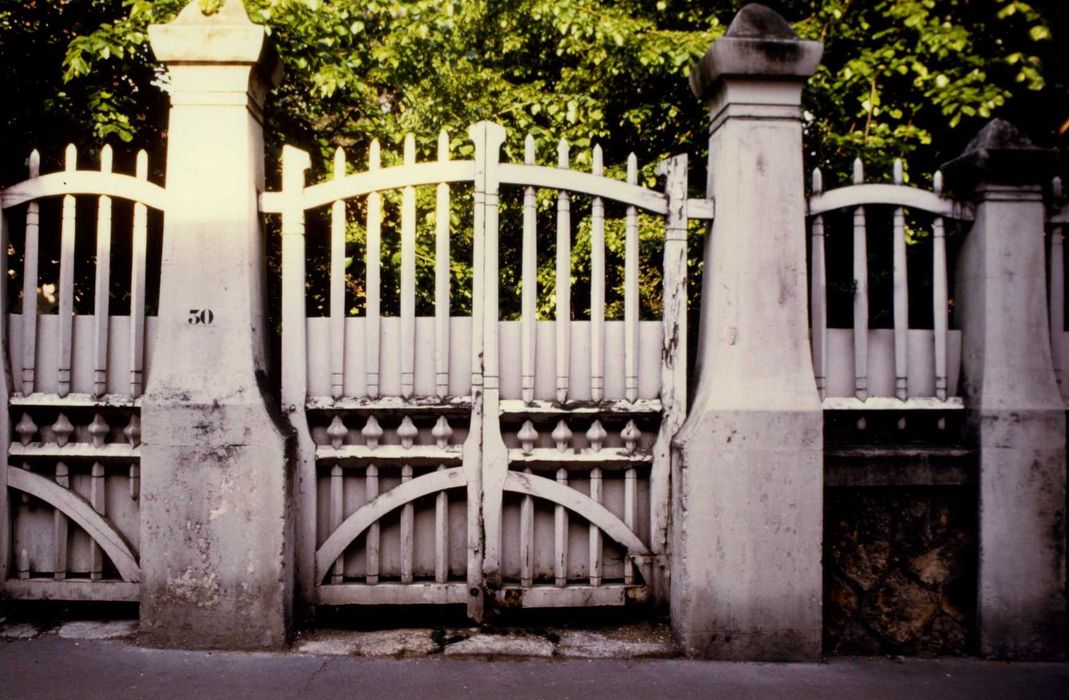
(51, 666)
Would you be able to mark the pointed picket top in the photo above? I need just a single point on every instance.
(562, 153)
(337, 431)
(859, 171)
(562, 435)
(407, 432)
(70, 158)
(26, 429)
(937, 183)
(527, 436)
(598, 166)
(487, 135)
(632, 169)
(529, 149)
(374, 156)
(62, 429)
(98, 430)
(818, 181)
(596, 435)
(441, 432)
(132, 431)
(899, 174)
(106, 159)
(141, 169)
(630, 435)
(410, 149)
(372, 432)
(35, 163)
(443, 145)
(339, 163)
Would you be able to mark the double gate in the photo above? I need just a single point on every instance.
(448, 458)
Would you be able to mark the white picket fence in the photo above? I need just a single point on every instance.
(71, 428)
(538, 421)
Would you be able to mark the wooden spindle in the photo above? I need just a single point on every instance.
(529, 280)
(98, 430)
(337, 284)
(861, 295)
(132, 432)
(939, 296)
(527, 538)
(407, 432)
(134, 478)
(560, 536)
(337, 516)
(408, 277)
(630, 511)
(66, 282)
(631, 310)
(59, 528)
(62, 429)
(99, 501)
(901, 295)
(563, 281)
(337, 432)
(26, 429)
(818, 294)
(138, 253)
(597, 287)
(102, 289)
(441, 276)
(24, 565)
(441, 432)
(373, 271)
(29, 285)
(595, 533)
(372, 433)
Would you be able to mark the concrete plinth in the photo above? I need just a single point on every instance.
(1016, 414)
(216, 532)
(747, 465)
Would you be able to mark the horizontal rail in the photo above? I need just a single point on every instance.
(392, 593)
(607, 457)
(896, 195)
(571, 596)
(518, 407)
(75, 401)
(71, 589)
(392, 405)
(1059, 216)
(415, 455)
(85, 182)
(891, 403)
(583, 183)
(74, 450)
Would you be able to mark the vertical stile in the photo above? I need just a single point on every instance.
(630, 510)
(29, 285)
(595, 533)
(901, 296)
(597, 287)
(372, 432)
(528, 286)
(631, 290)
(138, 252)
(97, 498)
(408, 276)
(66, 281)
(374, 252)
(1057, 287)
(59, 528)
(102, 290)
(527, 436)
(441, 276)
(337, 284)
(939, 295)
(337, 515)
(562, 437)
(407, 432)
(861, 295)
(441, 433)
(564, 280)
(818, 295)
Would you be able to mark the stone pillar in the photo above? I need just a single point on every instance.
(1015, 414)
(747, 466)
(216, 552)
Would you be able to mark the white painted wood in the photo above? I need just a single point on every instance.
(631, 310)
(98, 499)
(703, 209)
(441, 276)
(392, 405)
(84, 182)
(881, 362)
(860, 194)
(74, 450)
(394, 594)
(407, 530)
(102, 289)
(581, 460)
(337, 515)
(595, 533)
(861, 293)
(939, 296)
(818, 292)
(563, 279)
(900, 285)
(527, 534)
(529, 280)
(408, 276)
(8, 384)
(583, 183)
(597, 286)
(891, 403)
(72, 589)
(560, 535)
(66, 281)
(630, 513)
(337, 284)
(620, 407)
(29, 285)
(442, 432)
(371, 546)
(574, 596)
(60, 530)
(373, 271)
(376, 180)
(138, 253)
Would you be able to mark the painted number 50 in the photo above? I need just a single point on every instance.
(200, 317)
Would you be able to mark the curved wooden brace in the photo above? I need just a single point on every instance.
(387, 179)
(378, 507)
(86, 182)
(81, 512)
(897, 195)
(585, 183)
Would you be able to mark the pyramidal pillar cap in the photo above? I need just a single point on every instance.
(225, 36)
(999, 155)
(759, 44)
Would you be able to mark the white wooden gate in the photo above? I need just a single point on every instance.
(470, 459)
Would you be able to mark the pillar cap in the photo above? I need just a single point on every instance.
(225, 37)
(759, 44)
(1000, 155)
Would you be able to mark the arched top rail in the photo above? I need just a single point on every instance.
(85, 182)
(896, 195)
(583, 183)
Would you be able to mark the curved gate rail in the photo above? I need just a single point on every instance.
(72, 387)
(537, 421)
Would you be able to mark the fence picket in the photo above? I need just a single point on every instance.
(102, 288)
(529, 282)
(597, 287)
(818, 293)
(337, 284)
(138, 252)
(939, 295)
(861, 295)
(66, 281)
(631, 290)
(374, 257)
(901, 295)
(441, 276)
(29, 284)
(408, 276)
(563, 280)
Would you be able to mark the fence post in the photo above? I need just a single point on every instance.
(747, 465)
(1016, 415)
(216, 550)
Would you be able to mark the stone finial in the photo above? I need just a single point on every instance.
(999, 154)
(759, 43)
